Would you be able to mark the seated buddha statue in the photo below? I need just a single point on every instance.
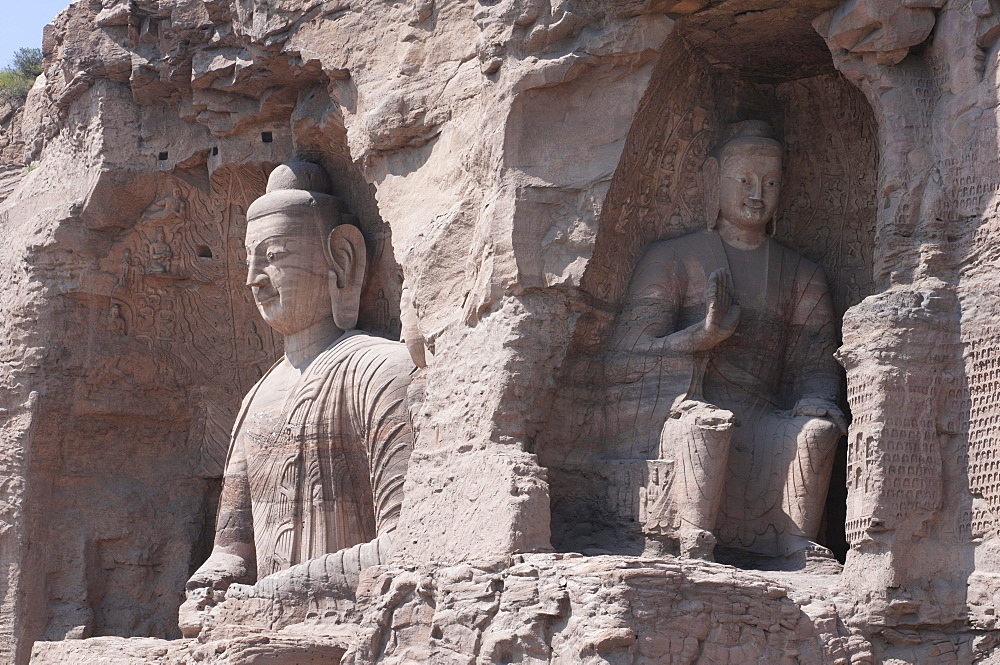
(722, 361)
(313, 481)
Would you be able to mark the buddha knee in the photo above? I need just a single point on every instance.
(703, 416)
(819, 434)
(704, 426)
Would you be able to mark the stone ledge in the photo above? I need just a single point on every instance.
(535, 608)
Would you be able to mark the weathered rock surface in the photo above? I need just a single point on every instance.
(535, 609)
(508, 162)
(11, 150)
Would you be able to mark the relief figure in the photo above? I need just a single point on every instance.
(254, 340)
(314, 475)
(160, 254)
(722, 361)
(116, 319)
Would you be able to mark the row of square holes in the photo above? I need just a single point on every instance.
(265, 137)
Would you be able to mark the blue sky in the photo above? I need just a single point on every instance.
(22, 24)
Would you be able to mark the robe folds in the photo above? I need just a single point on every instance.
(323, 469)
(781, 352)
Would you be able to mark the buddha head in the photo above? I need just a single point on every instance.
(305, 264)
(743, 177)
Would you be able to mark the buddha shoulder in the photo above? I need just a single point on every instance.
(374, 355)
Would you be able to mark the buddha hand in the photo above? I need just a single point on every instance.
(721, 318)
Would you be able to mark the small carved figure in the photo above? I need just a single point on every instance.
(381, 311)
(254, 340)
(125, 278)
(802, 203)
(853, 291)
(147, 311)
(722, 361)
(165, 324)
(168, 208)
(160, 254)
(178, 203)
(314, 478)
(686, 129)
(117, 320)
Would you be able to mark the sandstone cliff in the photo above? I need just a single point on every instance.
(507, 162)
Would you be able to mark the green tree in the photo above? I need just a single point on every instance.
(28, 61)
(17, 78)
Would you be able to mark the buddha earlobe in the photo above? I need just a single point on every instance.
(710, 175)
(347, 258)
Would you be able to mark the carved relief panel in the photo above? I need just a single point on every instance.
(828, 204)
(179, 291)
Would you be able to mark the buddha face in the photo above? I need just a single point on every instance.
(749, 182)
(287, 272)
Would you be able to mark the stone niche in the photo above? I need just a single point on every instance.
(165, 343)
(710, 75)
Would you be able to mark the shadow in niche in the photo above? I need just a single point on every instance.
(833, 534)
(321, 137)
(826, 213)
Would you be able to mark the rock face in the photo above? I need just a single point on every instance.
(507, 163)
(534, 609)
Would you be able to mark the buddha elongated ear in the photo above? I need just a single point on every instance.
(347, 258)
(710, 174)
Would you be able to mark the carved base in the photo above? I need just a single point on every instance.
(537, 608)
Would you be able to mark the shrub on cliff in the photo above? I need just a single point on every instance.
(17, 78)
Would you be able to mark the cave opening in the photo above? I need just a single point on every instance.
(716, 70)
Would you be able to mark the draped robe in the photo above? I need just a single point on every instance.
(781, 352)
(321, 470)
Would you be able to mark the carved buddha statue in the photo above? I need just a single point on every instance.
(314, 476)
(722, 361)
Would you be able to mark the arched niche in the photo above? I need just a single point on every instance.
(165, 342)
(715, 69)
